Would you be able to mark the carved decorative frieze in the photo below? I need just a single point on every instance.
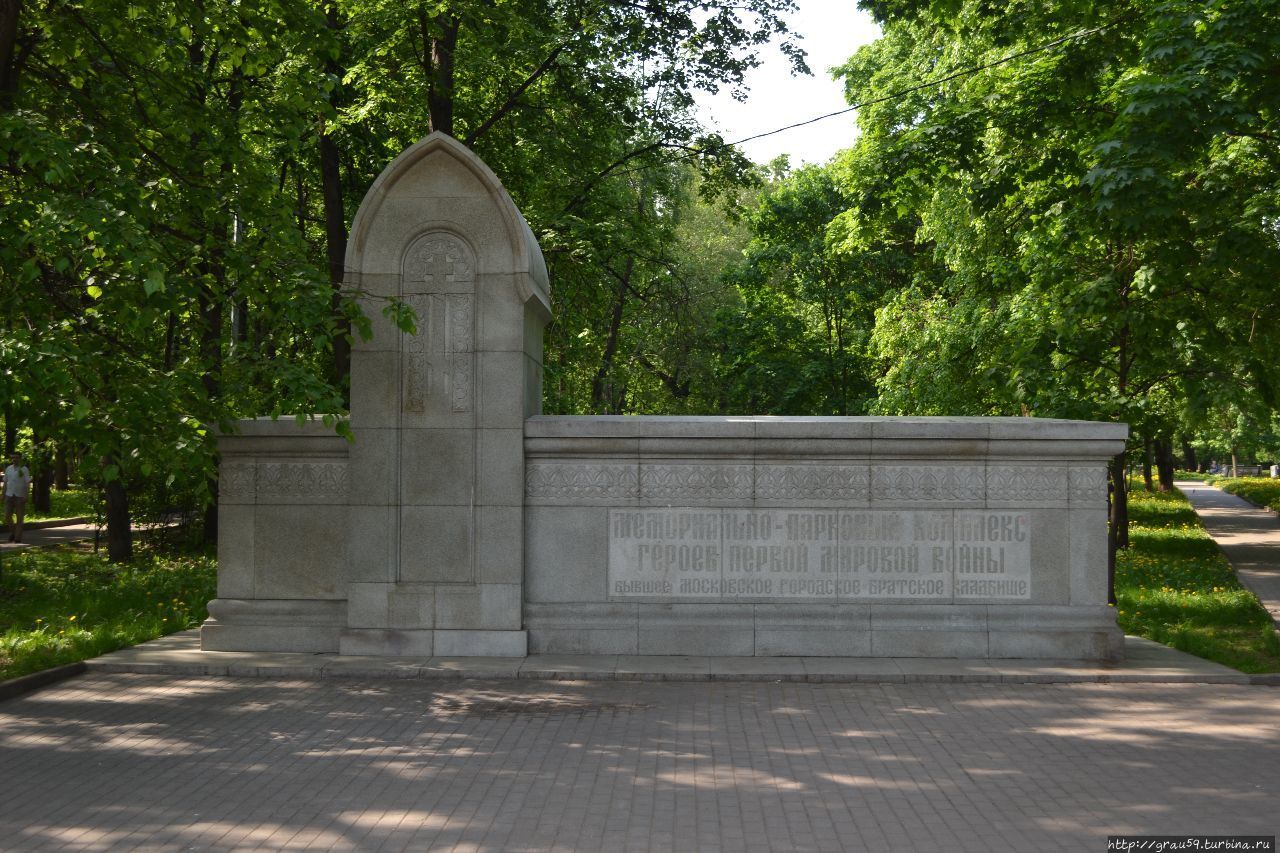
(589, 480)
(1026, 483)
(460, 341)
(811, 482)
(696, 481)
(302, 479)
(236, 481)
(923, 484)
(1089, 485)
(417, 368)
(442, 348)
(438, 260)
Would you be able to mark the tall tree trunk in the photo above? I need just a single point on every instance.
(1189, 456)
(211, 357)
(335, 222)
(1234, 465)
(216, 285)
(1146, 465)
(239, 304)
(1118, 528)
(10, 11)
(601, 392)
(440, 40)
(335, 228)
(170, 341)
(1120, 500)
(119, 531)
(1164, 463)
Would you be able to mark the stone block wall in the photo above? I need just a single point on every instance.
(283, 534)
(953, 537)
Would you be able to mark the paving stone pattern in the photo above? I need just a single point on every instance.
(126, 761)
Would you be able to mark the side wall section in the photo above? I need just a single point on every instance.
(808, 536)
(283, 529)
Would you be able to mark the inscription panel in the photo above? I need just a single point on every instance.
(813, 554)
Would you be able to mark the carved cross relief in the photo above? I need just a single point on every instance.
(438, 359)
(435, 261)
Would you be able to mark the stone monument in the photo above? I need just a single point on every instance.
(462, 522)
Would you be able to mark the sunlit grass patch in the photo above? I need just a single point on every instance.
(67, 503)
(59, 606)
(1174, 586)
(1256, 490)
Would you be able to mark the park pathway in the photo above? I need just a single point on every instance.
(1249, 536)
(44, 537)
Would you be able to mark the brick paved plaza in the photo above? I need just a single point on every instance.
(127, 761)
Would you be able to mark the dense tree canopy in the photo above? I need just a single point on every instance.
(178, 179)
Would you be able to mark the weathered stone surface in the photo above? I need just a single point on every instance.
(1088, 556)
(235, 553)
(479, 643)
(436, 544)
(299, 553)
(499, 544)
(273, 625)
(387, 643)
(576, 542)
(369, 605)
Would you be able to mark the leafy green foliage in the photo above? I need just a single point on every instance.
(1064, 214)
(143, 203)
(170, 228)
(796, 341)
(59, 606)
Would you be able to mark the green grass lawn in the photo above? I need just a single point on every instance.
(1174, 586)
(1262, 491)
(63, 605)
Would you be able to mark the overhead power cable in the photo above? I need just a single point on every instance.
(689, 152)
(964, 72)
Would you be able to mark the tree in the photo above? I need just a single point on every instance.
(795, 341)
(176, 177)
(1078, 203)
(127, 164)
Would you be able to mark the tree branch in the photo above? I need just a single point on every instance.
(512, 98)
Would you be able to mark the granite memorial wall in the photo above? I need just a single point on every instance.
(462, 522)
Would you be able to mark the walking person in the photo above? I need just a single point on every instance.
(17, 485)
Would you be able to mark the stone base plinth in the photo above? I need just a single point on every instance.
(439, 643)
(889, 631)
(273, 625)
